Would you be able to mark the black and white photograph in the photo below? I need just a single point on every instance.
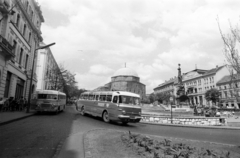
(119, 79)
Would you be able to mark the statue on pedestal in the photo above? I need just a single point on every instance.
(181, 96)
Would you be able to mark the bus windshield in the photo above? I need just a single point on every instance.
(47, 96)
(129, 100)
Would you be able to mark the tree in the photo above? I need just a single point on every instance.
(231, 42)
(151, 97)
(212, 95)
(163, 97)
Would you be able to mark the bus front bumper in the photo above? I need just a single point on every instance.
(125, 118)
(50, 109)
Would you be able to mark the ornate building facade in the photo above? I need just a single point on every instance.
(125, 79)
(196, 83)
(229, 91)
(20, 26)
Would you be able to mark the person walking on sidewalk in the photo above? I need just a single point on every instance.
(21, 103)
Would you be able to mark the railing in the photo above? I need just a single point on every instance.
(4, 8)
(6, 45)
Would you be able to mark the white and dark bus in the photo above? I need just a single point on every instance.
(48, 101)
(119, 106)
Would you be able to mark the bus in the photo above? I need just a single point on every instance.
(118, 106)
(48, 101)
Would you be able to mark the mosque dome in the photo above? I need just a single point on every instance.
(125, 72)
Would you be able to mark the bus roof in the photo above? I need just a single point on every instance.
(49, 92)
(113, 93)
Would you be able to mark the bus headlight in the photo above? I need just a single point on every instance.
(53, 105)
(123, 112)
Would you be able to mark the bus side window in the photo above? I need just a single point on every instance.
(97, 97)
(102, 98)
(115, 99)
(109, 98)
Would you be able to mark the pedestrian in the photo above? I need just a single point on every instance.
(25, 103)
(11, 104)
(21, 103)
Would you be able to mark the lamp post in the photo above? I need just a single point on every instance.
(30, 87)
(171, 103)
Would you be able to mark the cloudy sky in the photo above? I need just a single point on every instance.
(94, 38)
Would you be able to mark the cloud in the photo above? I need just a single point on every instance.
(152, 37)
(100, 70)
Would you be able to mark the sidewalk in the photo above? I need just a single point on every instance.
(73, 146)
(10, 116)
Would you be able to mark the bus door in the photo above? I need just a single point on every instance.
(101, 104)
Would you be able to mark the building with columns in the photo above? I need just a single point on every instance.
(21, 32)
(196, 83)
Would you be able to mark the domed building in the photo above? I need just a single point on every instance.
(125, 79)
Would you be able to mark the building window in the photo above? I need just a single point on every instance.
(225, 92)
(27, 3)
(26, 63)
(24, 30)
(18, 20)
(20, 58)
(29, 37)
(7, 84)
(0, 76)
(14, 46)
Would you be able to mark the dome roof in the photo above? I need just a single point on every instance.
(125, 72)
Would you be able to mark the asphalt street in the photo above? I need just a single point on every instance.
(41, 136)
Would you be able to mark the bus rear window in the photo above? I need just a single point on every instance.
(47, 96)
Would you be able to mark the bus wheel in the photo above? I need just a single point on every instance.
(82, 111)
(105, 117)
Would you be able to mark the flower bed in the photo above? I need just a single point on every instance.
(165, 148)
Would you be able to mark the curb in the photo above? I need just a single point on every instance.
(16, 119)
(192, 126)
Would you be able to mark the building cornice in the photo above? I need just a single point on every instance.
(36, 30)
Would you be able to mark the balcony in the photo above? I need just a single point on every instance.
(6, 48)
(4, 6)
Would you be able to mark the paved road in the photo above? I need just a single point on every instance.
(41, 135)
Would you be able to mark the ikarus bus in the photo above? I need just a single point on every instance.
(49, 101)
(119, 106)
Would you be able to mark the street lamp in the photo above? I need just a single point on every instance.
(30, 87)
